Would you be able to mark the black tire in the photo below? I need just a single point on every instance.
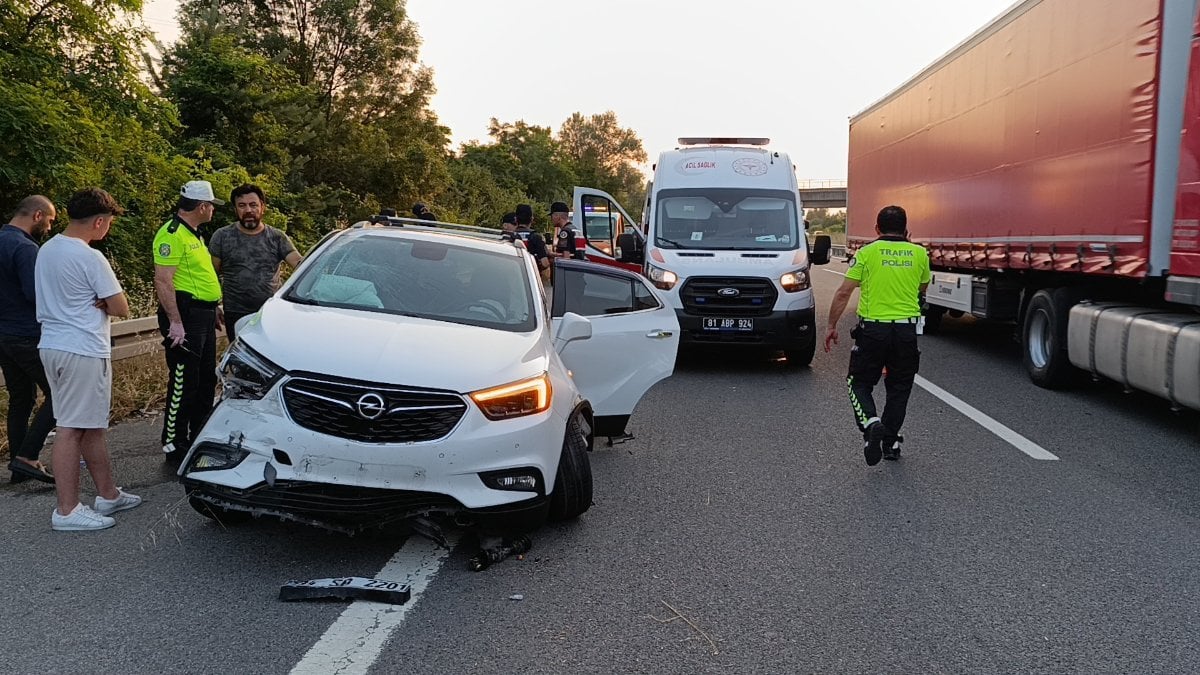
(802, 356)
(1044, 339)
(221, 515)
(572, 494)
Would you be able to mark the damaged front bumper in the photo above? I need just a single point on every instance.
(250, 457)
(352, 509)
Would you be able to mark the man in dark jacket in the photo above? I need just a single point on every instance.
(19, 335)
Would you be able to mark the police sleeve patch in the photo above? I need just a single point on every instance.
(853, 260)
(563, 234)
(164, 250)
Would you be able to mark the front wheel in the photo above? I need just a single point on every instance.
(802, 355)
(1045, 339)
(573, 482)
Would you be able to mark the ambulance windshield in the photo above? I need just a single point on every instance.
(727, 219)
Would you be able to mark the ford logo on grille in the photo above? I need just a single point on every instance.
(729, 292)
(369, 406)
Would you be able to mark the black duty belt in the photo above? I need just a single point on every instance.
(911, 319)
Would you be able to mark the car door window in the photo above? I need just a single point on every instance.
(600, 222)
(598, 294)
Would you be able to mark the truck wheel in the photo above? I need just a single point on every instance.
(1045, 339)
(933, 319)
(802, 355)
(573, 482)
(221, 515)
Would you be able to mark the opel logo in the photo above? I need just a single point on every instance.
(369, 406)
(729, 292)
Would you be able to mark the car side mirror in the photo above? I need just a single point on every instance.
(571, 327)
(820, 250)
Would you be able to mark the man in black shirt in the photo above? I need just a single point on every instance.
(533, 241)
(19, 335)
(564, 234)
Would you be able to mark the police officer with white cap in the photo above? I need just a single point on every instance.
(189, 314)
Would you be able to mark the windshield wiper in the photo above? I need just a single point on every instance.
(660, 241)
(301, 301)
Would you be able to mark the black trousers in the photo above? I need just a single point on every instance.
(878, 346)
(23, 376)
(232, 318)
(192, 371)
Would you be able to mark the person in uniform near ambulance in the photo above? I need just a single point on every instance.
(508, 225)
(189, 315)
(892, 274)
(533, 241)
(564, 234)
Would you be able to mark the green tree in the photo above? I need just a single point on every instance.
(79, 113)
(605, 155)
(242, 102)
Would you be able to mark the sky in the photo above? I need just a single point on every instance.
(794, 71)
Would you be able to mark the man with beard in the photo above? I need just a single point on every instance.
(246, 256)
(19, 335)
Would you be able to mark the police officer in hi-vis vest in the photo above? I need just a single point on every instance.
(892, 274)
(189, 315)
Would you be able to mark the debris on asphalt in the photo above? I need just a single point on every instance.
(347, 588)
(516, 596)
(494, 549)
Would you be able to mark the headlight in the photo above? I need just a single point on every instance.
(663, 279)
(527, 397)
(245, 373)
(212, 457)
(794, 281)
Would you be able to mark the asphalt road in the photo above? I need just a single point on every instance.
(742, 510)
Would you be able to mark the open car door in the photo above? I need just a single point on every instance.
(609, 236)
(635, 337)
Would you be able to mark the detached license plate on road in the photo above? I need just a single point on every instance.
(738, 325)
(379, 590)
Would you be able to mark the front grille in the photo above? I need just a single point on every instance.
(334, 503)
(346, 410)
(702, 296)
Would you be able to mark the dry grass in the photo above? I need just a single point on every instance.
(139, 387)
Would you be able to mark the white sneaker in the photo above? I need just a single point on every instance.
(124, 500)
(79, 520)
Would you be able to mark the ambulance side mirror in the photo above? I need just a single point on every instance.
(820, 250)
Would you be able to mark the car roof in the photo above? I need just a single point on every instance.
(418, 233)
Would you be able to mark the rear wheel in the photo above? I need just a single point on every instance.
(1045, 339)
(573, 482)
(933, 318)
(221, 515)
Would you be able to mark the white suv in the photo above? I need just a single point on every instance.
(412, 371)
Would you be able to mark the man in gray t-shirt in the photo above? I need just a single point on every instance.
(246, 257)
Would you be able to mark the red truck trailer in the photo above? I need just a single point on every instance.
(1051, 165)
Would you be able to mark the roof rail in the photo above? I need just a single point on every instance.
(432, 226)
(723, 140)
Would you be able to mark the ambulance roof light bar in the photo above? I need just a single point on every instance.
(723, 140)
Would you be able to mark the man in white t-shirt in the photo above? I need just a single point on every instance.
(76, 292)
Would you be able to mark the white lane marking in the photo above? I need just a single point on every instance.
(840, 274)
(355, 640)
(1008, 435)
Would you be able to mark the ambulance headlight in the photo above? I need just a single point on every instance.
(662, 278)
(793, 282)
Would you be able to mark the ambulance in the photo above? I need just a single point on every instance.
(722, 237)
